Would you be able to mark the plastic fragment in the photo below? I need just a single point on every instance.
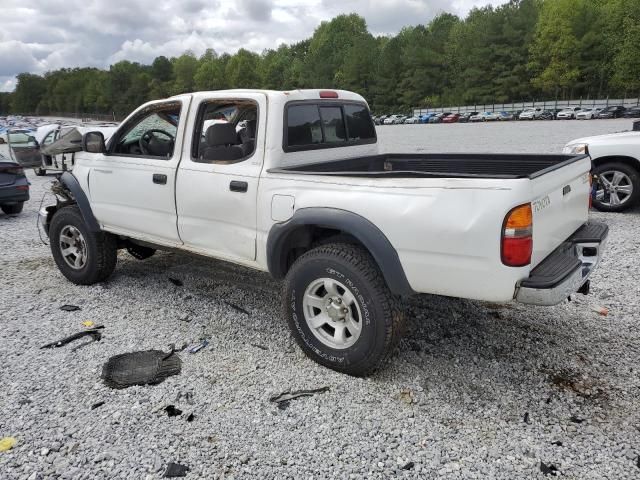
(408, 466)
(70, 308)
(148, 367)
(7, 443)
(526, 418)
(97, 404)
(94, 333)
(604, 311)
(176, 470)
(548, 469)
(88, 324)
(238, 309)
(177, 282)
(172, 411)
(191, 417)
(288, 395)
(196, 348)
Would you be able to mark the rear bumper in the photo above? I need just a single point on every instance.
(566, 269)
(15, 193)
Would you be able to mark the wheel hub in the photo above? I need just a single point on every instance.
(73, 247)
(332, 313)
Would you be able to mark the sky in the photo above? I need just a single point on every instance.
(41, 35)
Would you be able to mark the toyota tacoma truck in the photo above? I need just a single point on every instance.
(293, 183)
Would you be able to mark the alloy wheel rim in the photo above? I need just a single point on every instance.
(73, 247)
(332, 313)
(614, 188)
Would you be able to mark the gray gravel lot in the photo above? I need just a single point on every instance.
(476, 390)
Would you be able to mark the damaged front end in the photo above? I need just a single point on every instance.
(63, 196)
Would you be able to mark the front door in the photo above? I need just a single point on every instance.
(132, 186)
(217, 182)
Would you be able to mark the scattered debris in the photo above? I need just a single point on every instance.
(548, 469)
(7, 443)
(94, 333)
(88, 324)
(172, 411)
(175, 470)
(237, 308)
(196, 348)
(638, 461)
(283, 400)
(604, 311)
(148, 367)
(176, 282)
(575, 419)
(191, 417)
(408, 466)
(261, 347)
(97, 405)
(406, 396)
(557, 443)
(70, 308)
(527, 418)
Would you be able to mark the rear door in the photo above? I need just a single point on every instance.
(216, 189)
(560, 206)
(132, 186)
(25, 148)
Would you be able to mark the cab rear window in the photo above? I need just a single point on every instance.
(311, 125)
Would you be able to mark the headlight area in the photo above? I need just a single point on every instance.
(576, 149)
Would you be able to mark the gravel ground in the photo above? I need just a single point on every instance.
(476, 390)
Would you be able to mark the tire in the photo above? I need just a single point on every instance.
(140, 252)
(350, 271)
(40, 172)
(97, 250)
(13, 209)
(628, 177)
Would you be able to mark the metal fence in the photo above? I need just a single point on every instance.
(545, 105)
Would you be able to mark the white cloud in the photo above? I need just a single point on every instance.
(40, 35)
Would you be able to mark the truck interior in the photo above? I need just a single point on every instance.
(225, 131)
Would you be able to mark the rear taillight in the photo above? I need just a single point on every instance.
(12, 170)
(517, 240)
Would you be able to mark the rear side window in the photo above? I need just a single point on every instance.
(310, 125)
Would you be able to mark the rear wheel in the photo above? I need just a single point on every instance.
(617, 187)
(340, 309)
(83, 256)
(40, 172)
(12, 209)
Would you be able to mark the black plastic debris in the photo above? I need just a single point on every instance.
(408, 466)
(191, 417)
(638, 462)
(97, 405)
(172, 411)
(199, 346)
(176, 470)
(526, 418)
(575, 419)
(94, 333)
(261, 347)
(238, 309)
(70, 308)
(148, 367)
(548, 469)
(557, 443)
(283, 400)
(176, 282)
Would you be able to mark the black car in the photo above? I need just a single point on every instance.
(614, 111)
(547, 115)
(633, 112)
(464, 118)
(14, 186)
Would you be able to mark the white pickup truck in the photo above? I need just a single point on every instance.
(293, 183)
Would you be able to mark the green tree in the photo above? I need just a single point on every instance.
(28, 93)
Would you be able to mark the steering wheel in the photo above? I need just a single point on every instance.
(147, 137)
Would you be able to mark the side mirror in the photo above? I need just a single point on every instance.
(93, 142)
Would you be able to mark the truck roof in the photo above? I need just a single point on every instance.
(297, 94)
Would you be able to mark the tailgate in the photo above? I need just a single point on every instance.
(560, 206)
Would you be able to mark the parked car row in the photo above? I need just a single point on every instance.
(532, 113)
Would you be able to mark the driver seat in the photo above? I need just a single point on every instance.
(221, 140)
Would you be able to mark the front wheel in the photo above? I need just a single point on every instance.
(617, 187)
(40, 172)
(340, 309)
(83, 256)
(13, 209)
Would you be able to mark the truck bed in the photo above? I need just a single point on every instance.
(456, 165)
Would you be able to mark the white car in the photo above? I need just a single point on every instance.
(412, 120)
(304, 193)
(530, 113)
(616, 165)
(588, 114)
(568, 113)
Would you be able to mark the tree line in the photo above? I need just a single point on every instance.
(523, 50)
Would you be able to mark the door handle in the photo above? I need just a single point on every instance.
(159, 178)
(237, 186)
